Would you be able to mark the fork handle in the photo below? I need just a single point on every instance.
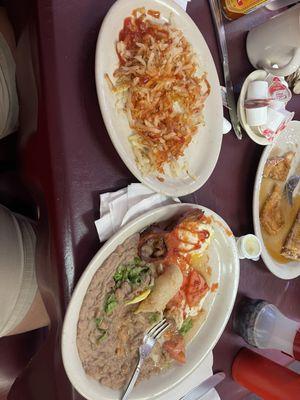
(133, 379)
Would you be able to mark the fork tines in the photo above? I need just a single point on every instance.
(158, 329)
(289, 188)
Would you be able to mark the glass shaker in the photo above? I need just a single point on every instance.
(262, 325)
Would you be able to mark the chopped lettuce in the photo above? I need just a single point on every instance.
(186, 326)
(137, 260)
(99, 321)
(134, 274)
(153, 318)
(121, 274)
(102, 335)
(130, 273)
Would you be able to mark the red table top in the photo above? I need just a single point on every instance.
(68, 159)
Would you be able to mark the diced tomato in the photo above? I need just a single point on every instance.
(196, 287)
(185, 275)
(175, 347)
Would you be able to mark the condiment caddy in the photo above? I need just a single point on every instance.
(262, 106)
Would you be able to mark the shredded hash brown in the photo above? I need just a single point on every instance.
(163, 96)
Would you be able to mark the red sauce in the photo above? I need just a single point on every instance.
(177, 254)
(136, 29)
(214, 287)
(173, 241)
(131, 32)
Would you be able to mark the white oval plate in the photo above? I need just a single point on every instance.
(204, 150)
(254, 76)
(218, 305)
(289, 139)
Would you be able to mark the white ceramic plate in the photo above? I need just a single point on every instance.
(289, 139)
(204, 151)
(218, 305)
(256, 137)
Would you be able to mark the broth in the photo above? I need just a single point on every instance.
(274, 243)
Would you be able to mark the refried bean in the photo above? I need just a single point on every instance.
(108, 343)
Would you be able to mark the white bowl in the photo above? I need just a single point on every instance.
(218, 306)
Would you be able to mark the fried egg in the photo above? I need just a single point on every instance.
(194, 238)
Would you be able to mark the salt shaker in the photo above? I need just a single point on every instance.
(262, 325)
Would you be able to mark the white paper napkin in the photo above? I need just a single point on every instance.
(117, 209)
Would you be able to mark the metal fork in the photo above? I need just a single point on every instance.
(149, 341)
(290, 186)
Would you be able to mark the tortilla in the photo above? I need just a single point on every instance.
(165, 288)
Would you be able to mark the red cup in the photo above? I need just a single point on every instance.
(267, 379)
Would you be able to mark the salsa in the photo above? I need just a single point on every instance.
(137, 30)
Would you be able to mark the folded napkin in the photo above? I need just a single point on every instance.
(117, 209)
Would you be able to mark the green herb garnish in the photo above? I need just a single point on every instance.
(102, 335)
(130, 273)
(186, 326)
(153, 317)
(99, 321)
(110, 303)
(134, 274)
(137, 260)
(121, 274)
